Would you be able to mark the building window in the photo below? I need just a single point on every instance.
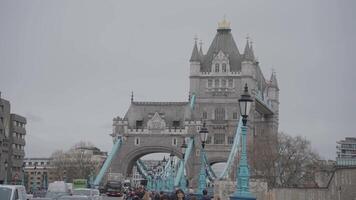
(230, 83)
(139, 124)
(219, 138)
(176, 124)
(217, 83)
(219, 114)
(137, 141)
(223, 83)
(210, 83)
(230, 140)
(234, 115)
(174, 141)
(217, 66)
(223, 67)
(205, 115)
(208, 140)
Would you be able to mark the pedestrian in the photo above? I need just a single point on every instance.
(179, 195)
(205, 195)
(146, 196)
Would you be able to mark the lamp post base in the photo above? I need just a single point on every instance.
(242, 198)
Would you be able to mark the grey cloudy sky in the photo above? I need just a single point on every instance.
(69, 66)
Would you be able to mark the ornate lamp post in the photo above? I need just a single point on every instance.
(6, 165)
(23, 174)
(183, 180)
(202, 174)
(171, 175)
(45, 178)
(243, 174)
(34, 186)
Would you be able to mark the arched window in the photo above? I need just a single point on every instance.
(137, 141)
(217, 66)
(223, 67)
(219, 114)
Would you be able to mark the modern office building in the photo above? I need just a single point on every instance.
(346, 152)
(12, 143)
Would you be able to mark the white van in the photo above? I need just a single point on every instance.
(12, 192)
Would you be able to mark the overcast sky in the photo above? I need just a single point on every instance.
(69, 66)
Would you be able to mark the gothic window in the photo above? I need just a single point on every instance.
(205, 115)
(234, 115)
(137, 141)
(219, 114)
(219, 138)
(210, 83)
(217, 66)
(230, 83)
(223, 67)
(174, 141)
(223, 83)
(230, 139)
(176, 124)
(139, 124)
(217, 83)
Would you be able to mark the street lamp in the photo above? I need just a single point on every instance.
(6, 165)
(23, 174)
(183, 180)
(171, 175)
(202, 174)
(34, 186)
(243, 175)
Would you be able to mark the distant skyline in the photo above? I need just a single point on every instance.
(69, 66)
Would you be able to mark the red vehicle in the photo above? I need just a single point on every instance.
(114, 189)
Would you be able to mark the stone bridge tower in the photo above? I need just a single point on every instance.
(216, 79)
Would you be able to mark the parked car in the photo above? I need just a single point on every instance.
(93, 194)
(74, 197)
(10, 192)
(57, 189)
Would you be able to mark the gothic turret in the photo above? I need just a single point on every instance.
(195, 53)
(248, 53)
(224, 42)
(273, 80)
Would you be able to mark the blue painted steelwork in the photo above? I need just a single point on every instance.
(210, 171)
(233, 152)
(107, 162)
(243, 173)
(180, 173)
(202, 173)
(192, 101)
(141, 168)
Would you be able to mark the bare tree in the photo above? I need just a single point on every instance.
(74, 164)
(286, 161)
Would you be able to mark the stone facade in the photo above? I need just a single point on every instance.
(12, 143)
(340, 186)
(216, 80)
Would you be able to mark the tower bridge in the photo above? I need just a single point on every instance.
(216, 79)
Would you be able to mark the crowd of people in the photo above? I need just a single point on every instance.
(141, 193)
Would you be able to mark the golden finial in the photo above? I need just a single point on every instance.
(224, 24)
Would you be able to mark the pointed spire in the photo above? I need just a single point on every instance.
(201, 47)
(273, 80)
(195, 53)
(248, 53)
(132, 96)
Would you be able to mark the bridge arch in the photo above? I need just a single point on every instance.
(130, 159)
